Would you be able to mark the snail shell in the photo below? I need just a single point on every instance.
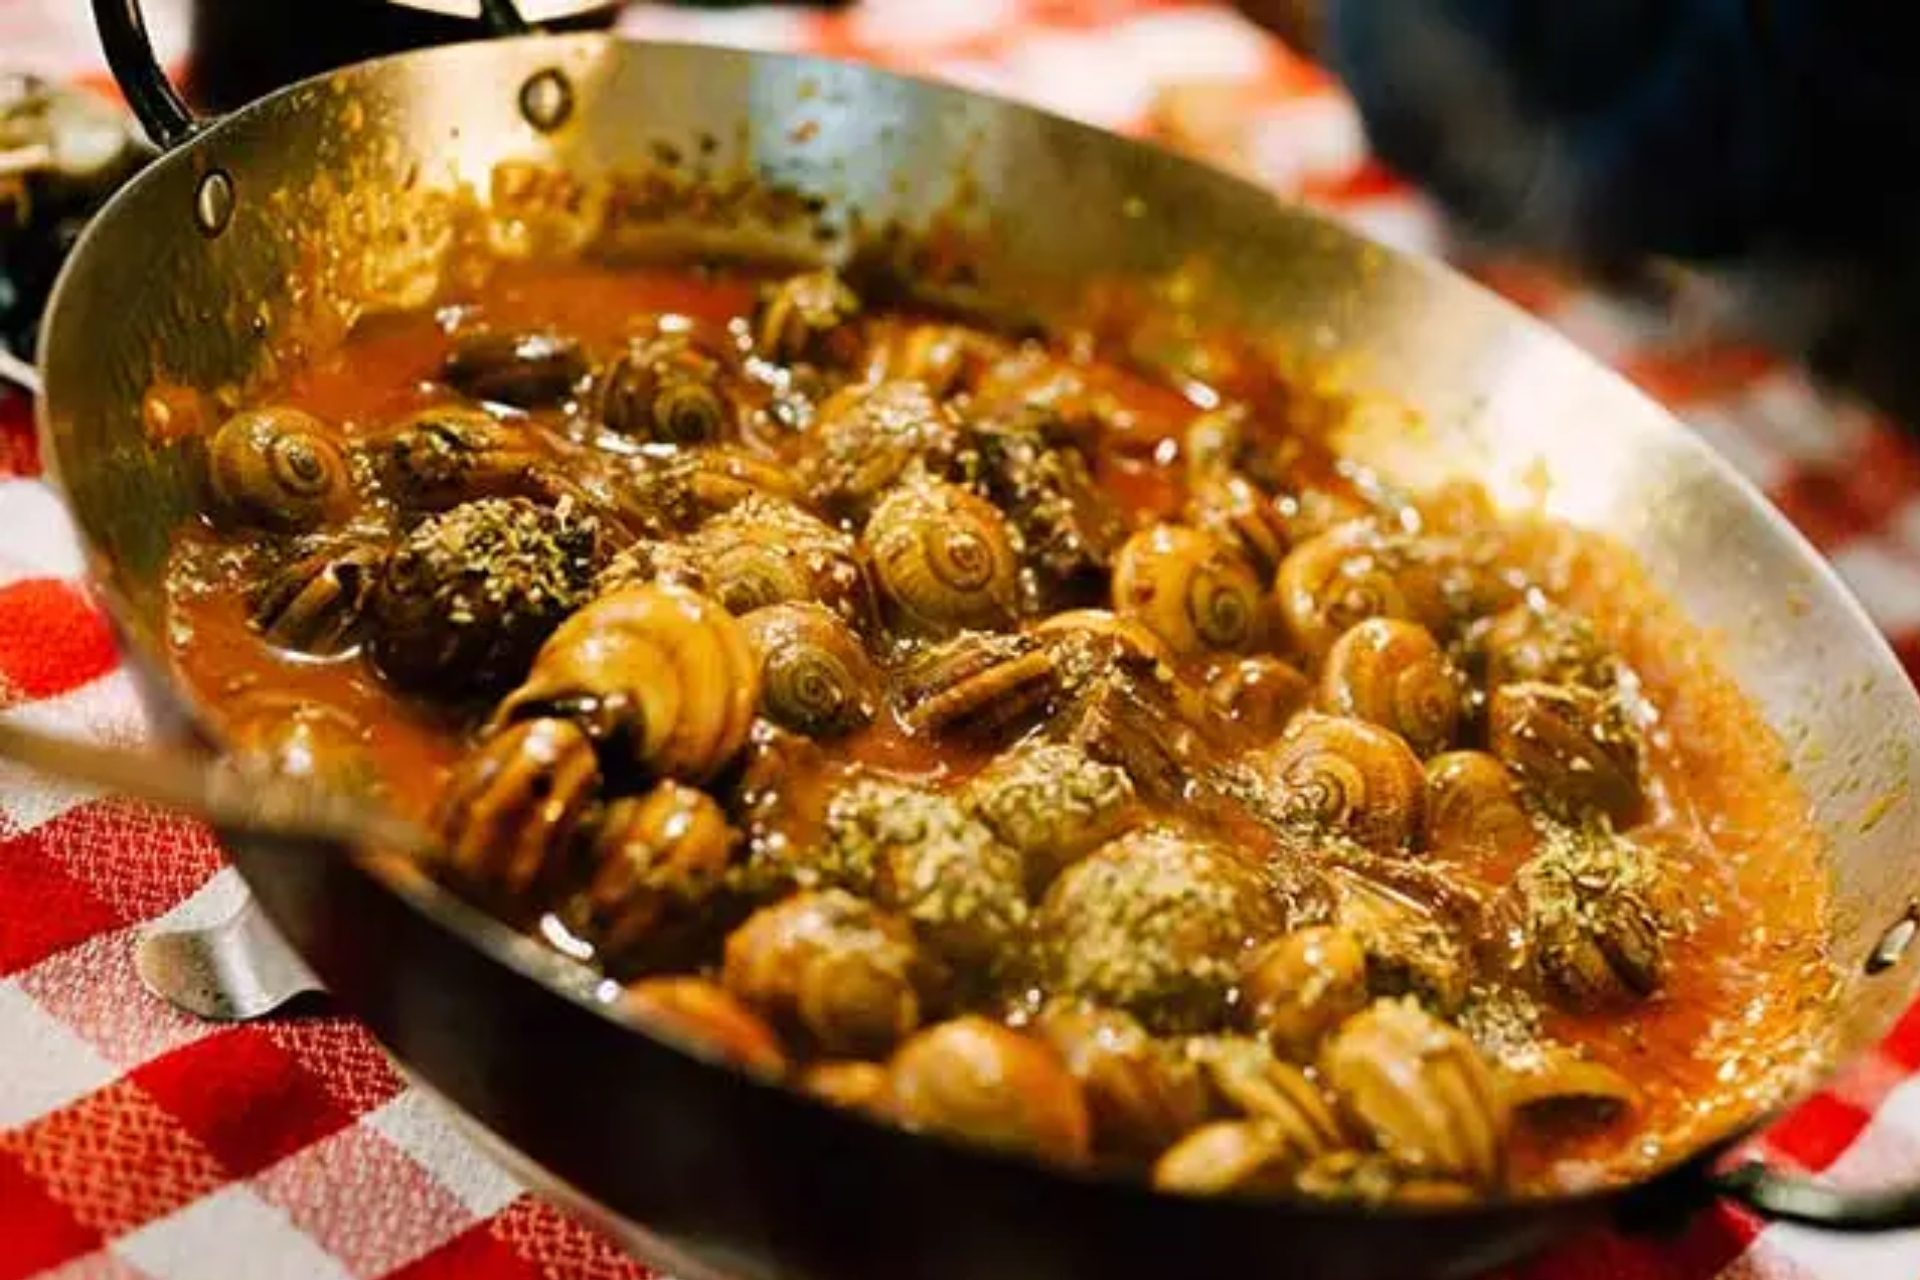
(945, 560)
(1141, 1096)
(1554, 1086)
(1052, 804)
(1190, 589)
(1227, 1157)
(1234, 509)
(834, 969)
(704, 1018)
(1246, 1078)
(529, 370)
(1089, 642)
(661, 676)
(316, 604)
(1154, 924)
(810, 318)
(1340, 578)
(1393, 673)
(657, 860)
(470, 594)
(975, 1080)
(1409, 948)
(449, 454)
(1422, 1091)
(765, 552)
(855, 1086)
(977, 683)
(1529, 643)
(1348, 777)
(1596, 912)
(508, 816)
(278, 468)
(815, 678)
(945, 358)
(1472, 805)
(1298, 988)
(870, 438)
(668, 390)
(1573, 748)
(1069, 526)
(1260, 694)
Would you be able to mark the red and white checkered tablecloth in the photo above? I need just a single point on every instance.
(135, 1142)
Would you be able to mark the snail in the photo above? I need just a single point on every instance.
(1393, 673)
(666, 389)
(1298, 988)
(1232, 508)
(1090, 643)
(925, 857)
(662, 677)
(834, 970)
(945, 358)
(1140, 1095)
(1345, 777)
(1153, 924)
(534, 369)
(854, 1086)
(979, 684)
(975, 1080)
(764, 552)
(449, 454)
(1553, 1085)
(1410, 948)
(1190, 589)
(667, 493)
(1596, 912)
(508, 816)
(868, 439)
(1070, 528)
(1238, 1157)
(1052, 804)
(704, 1018)
(469, 595)
(815, 677)
(1260, 694)
(657, 861)
(809, 318)
(1421, 1091)
(1573, 748)
(278, 468)
(315, 604)
(1248, 1080)
(1473, 806)
(1353, 572)
(944, 560)
(1542, 643)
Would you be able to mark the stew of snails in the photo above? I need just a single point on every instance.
(979, 731)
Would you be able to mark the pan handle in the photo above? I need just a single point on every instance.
(1786, 1197)
(162, 112)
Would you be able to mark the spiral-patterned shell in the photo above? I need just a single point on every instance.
(661, 676)
(442, 456)
(945, 560)
(815, 678)
(1473, 807)
(1394, 674)
(1421, 1090)
(1347, 777)
(1298, 988)
(1242, 515)
(1353, 572)
(1192, 590)
(765, 552)
(868, 439)
(657, 860)
(668, 390)
(1142, 1096)
(975, 1080)
(1260, 694)
(1596, 912)
(1530, 642)
(278, 468)
(808, 318)
(1574, 748)
(508, 816)
(835, 970)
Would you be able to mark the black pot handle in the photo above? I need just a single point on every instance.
(1786, 1197)
(162, 112)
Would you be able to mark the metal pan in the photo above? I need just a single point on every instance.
(262, 229)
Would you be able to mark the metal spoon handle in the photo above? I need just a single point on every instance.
(227, 798)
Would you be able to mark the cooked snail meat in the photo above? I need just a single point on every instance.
(315, 604)
(1051, 803)
(975, 1080)
(1190, 589)
(1394, 674)
(815, 677)
(662, 678)
(278, 469)
(530, 370)
(469, 596)
(944, 560)
(657, 861)
(978, 683)
(668, 390)
(509, 816)
(1576, 749)
(1421, 1090)
(1142, 1096)
(835, 971)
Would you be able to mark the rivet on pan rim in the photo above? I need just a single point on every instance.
(546, 100)
(213, 202)
(1894, 942)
